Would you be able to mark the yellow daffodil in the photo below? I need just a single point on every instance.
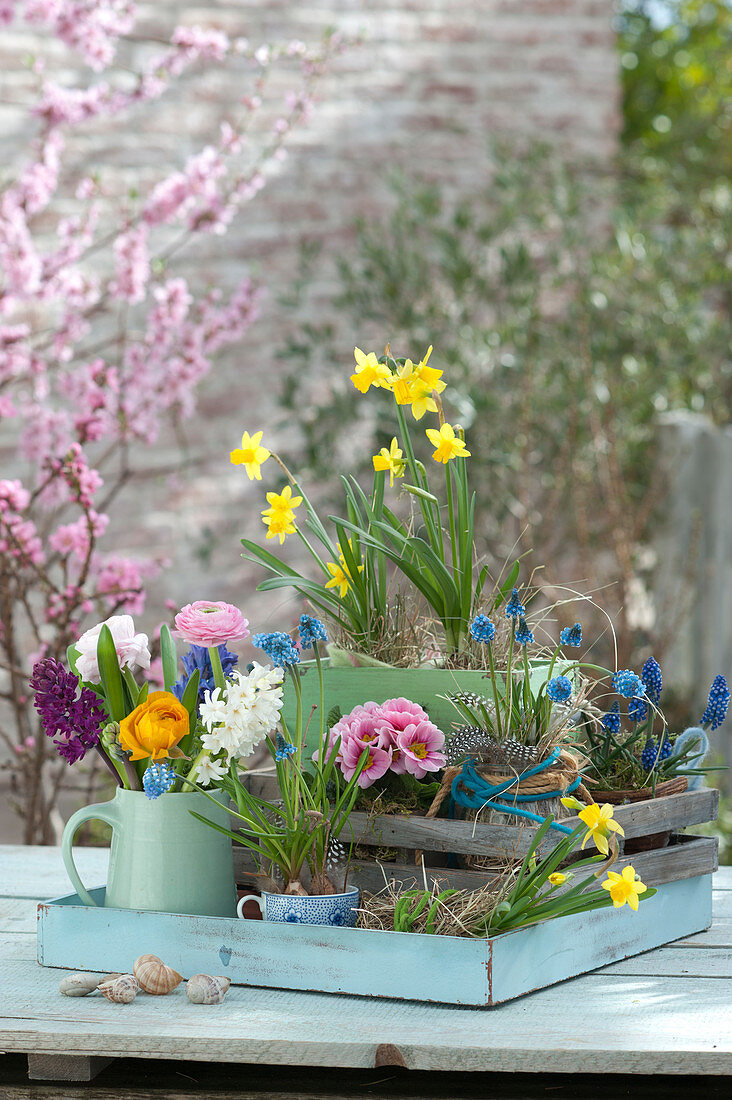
(402, 382)
(279, 524)
(624, 887)
(340, 577)
(448, 445)
(369, 371)
(422, 400)
(557, 878)
(600, 823)
(250, 455)
(391, 460)
(282, 502)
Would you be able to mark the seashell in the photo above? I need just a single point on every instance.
(154, 976)
(78, 985)
(202, 989)
(122, 990)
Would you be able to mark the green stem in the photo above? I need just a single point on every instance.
(218, 672)
(509, 678)
(496, 693)
(434, 528)
(321, 735)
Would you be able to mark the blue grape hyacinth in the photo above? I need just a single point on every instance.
(523, 635)
(158, 779)
(628, 684)
(571, 635)
(637, 709)
(652, 679)
(279, 647)
(514, 607)
(311, 631)
(284, 748)
(610, 721)
(717, 704)
(559, 689)
(482, 629)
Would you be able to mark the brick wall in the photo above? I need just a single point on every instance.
(432, 81)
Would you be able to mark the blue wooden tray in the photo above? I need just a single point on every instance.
(405, 966)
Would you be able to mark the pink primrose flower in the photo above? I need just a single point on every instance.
(210, 624)
(420, 745)
(377, 763)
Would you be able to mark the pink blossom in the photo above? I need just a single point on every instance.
(132, 265)
(73, 538)
(132, 649)
(421, 744)
(121, 581)
(377, 763)
(210, 624)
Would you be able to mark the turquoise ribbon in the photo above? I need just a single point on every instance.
(487, 794)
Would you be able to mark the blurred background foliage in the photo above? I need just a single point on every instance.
(569, 307)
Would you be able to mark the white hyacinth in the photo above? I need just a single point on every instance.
(238, 718)
(208, 771)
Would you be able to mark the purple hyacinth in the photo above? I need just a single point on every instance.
(652, 679)
(72, 723)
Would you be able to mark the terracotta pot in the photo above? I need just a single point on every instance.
(650, 841)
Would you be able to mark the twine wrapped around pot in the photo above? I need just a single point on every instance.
(501, 788)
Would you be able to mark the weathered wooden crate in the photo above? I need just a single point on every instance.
(446, 969)
(402, 844)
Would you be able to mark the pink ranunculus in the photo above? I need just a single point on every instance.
(132, 649)
(377, 763)
(420, 746)
(210, 624)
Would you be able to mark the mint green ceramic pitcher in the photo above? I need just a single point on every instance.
(161, 857)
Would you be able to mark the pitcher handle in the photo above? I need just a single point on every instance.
(249, 897)
(102, 811)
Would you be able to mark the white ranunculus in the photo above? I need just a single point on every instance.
(132, 649)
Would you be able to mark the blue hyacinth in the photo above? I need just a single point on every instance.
(610, 721)
(652, 679)
(628, 684)
(637, 709)
(571, 635)
(158, 779)
(523, 635)
(651, 753)
(311, 630)
(559, 689)
(284, 748)
(278, 646)
(717, 704)
(482, 629)
(198, 657)
(514, 607)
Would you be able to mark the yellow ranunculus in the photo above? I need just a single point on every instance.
(624, 887)
(250, 455)
(155, 727)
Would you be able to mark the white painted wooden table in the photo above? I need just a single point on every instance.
(666, 1012)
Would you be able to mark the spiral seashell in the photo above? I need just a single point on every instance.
(122, 990)
(202, 989)
(154, 976)
(78, 985)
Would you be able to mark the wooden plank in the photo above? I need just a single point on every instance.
(689, 857)
(18, 914)
(38, 872)
(65, 1067)
(678, 962)
(476, 838)
(18, 945)
(547, 1034)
